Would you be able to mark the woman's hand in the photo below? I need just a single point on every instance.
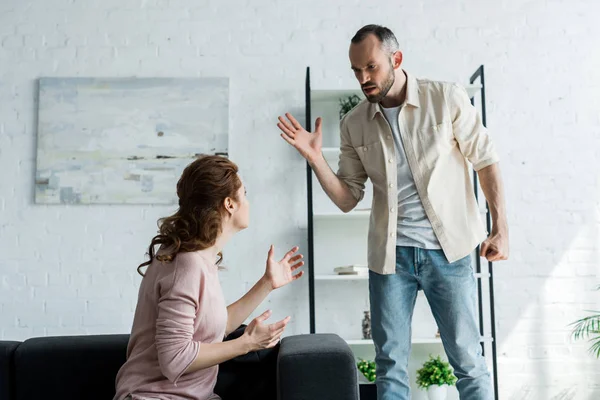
(260, 336)
(280, 273)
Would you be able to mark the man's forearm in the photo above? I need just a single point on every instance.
(491, 183)
(240, 310)
(335, 188)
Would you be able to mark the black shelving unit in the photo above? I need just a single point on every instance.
(478, 75)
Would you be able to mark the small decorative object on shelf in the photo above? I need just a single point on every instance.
(435, 376)
(348, 103)
(366, 325)
(437, 334)
(367, 368)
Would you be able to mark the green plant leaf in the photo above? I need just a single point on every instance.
(435, 371)
(588, 327)
(348, 103)
(595, 348)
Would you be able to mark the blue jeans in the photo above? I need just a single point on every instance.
(450, 289)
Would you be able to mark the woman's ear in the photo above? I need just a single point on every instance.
(229, 205)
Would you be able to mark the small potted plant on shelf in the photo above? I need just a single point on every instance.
(348, 103)
(435, 376)
(367, 368)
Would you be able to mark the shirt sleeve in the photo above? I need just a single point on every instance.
(350, 169)
(177, 307)
(472, 137)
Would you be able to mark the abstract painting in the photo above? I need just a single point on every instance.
(125, 140)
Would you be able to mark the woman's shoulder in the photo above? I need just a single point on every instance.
(185, 273)
(182, 265)
(193, 259)
(192, 264)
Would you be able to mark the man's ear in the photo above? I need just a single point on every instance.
(397, 59)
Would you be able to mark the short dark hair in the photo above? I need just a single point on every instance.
(385, 36)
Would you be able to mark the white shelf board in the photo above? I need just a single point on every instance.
(363, 381)
(336, 94)
(473, 89)
(334, 277)
(350, 277)
(415, 340)
(354, 214)
(340, 215)
(330, 152)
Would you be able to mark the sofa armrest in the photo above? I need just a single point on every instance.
(316, 366)
(7, 368)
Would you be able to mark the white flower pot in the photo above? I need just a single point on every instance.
(437, 392)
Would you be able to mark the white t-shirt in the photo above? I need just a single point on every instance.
(414, 228)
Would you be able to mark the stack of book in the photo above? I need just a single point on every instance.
(352, 270)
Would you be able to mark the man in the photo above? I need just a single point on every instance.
(414, 138)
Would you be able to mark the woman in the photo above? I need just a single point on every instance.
(180, 321)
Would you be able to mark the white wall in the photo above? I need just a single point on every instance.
(71, 270)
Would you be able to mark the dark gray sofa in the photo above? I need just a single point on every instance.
(301, 367)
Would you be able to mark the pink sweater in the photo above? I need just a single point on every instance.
(180, 306)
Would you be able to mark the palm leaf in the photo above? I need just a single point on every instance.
(588, 327)
(595, 349)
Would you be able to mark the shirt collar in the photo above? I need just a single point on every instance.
(412, 95)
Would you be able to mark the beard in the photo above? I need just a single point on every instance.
(384, 88)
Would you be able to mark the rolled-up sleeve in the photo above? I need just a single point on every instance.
(177, 307)
(472, 137)
(350, 168)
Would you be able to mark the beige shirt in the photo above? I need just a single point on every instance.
(442, 134)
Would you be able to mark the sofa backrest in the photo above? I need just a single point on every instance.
(85, 367)
(69, 367)
(7, 373)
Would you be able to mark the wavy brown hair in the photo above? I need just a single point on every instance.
(202, 189)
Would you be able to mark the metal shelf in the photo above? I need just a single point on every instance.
(365, 277)
(334, 94)
(340, 215)
(415, 340)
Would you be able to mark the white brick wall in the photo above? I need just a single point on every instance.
(71, 270)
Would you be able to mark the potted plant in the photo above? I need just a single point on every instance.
(589, 328)
(348, 103)
(435, 376)
(367, 368)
